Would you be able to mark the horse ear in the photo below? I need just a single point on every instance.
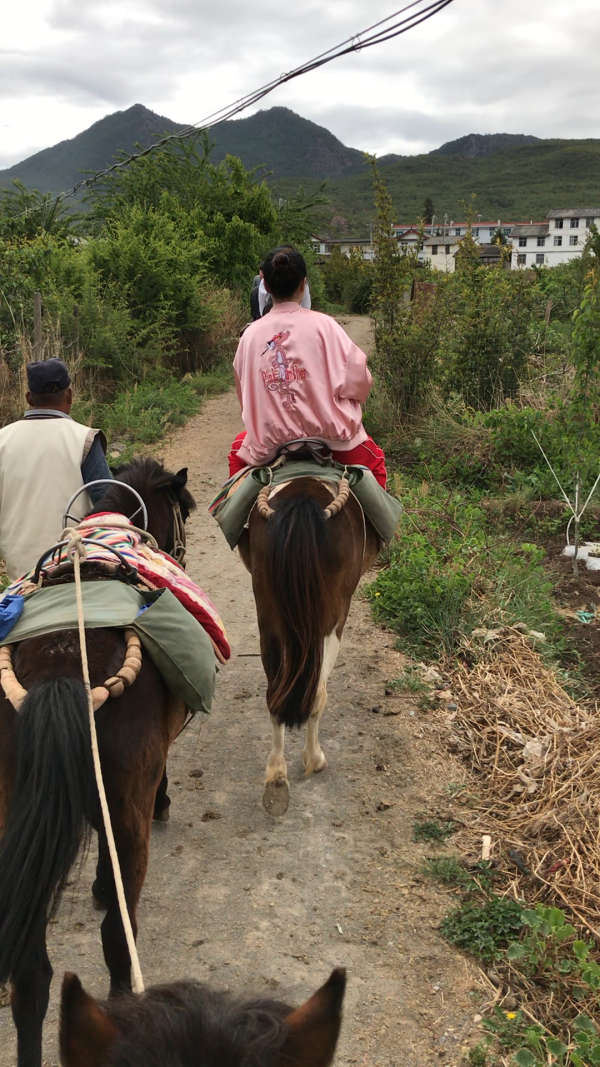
(180, 478)
(314, 1027)
(86, 1031)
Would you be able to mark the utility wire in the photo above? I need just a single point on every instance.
(386, 29)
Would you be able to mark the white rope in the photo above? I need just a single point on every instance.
(75, 551)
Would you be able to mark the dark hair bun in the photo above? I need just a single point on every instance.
(284, 270)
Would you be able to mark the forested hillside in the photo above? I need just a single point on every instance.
(513, 177)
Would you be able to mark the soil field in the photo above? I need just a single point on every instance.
(252, 903)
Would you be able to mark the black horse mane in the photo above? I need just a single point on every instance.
(147, 476)
(186, 1024)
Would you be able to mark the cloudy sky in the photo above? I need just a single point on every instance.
(484, 66)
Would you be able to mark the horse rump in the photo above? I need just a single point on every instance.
(52, 793)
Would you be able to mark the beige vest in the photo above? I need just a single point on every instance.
(40, 468)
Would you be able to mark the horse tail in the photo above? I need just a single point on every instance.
(53, 790)
(299, 548)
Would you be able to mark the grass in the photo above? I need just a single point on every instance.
(450, 570)
(142, 414)
(433, 830)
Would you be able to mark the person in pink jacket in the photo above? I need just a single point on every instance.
(298, 374)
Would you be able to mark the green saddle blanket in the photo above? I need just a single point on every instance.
(232, 505)
(178, 645)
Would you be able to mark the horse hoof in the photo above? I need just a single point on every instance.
(162, 816)
(276, 796)
(314, 766)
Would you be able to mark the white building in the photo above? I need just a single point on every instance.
(324, 246)
(558, 240)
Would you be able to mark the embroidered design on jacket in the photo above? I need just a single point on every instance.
(283, 371)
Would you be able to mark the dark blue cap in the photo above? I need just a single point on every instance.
(47, 376)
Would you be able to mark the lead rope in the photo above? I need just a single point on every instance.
(76, 551)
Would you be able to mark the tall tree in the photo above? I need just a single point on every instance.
(428, 211)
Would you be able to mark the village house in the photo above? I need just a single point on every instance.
(324, 246)
(559, 239)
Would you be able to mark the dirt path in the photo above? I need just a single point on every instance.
(247, 902)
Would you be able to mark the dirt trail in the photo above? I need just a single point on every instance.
(247, 902)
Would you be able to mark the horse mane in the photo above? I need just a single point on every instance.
(147, 476)
(186, 1024)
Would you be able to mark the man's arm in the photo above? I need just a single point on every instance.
(95, 466)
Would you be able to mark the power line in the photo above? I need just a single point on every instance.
(384, 30)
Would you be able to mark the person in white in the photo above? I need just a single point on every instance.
(44, 458)
(263, 296)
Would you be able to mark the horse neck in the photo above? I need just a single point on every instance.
(160, 518)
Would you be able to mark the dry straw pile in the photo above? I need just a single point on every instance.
(538, 757)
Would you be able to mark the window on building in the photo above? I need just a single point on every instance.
(447, 247)
(458, 231)
(539, 257)
(434, 250)
(588, 223)
(541, 242)
(574, 224)
(558, 241)
(573, 239)
(522, 242)
(558, 224)
(476, 231)
(521, 259)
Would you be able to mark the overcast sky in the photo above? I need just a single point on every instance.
(483, 66)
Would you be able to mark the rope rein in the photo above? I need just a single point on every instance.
(76, 552)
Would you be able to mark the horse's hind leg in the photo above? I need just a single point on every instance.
(132, 836)
(313, 756)
(30, 989)
(276, 795)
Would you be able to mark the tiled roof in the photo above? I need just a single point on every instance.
(576, 213)
(536, 230)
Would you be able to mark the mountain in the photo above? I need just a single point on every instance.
(512, 176)
(286, 145)
(61, 167)
(277, 141)
(476, 145)
(515, 184)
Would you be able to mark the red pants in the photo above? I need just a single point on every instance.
(366, 454)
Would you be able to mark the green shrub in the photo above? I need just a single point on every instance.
(484, 930)
(449, 570)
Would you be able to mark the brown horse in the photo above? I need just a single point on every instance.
(305, 565)
(188, 1025)
(48, 796)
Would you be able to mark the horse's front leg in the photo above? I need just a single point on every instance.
(30, 991)
(313, 756)
(276, 796)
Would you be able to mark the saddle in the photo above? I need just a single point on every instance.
(233, 504)
(304, 448)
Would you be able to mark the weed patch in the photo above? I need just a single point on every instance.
(144, 412)
(450, 570)
(433, 830)
(484, 930)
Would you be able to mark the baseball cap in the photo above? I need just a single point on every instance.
(47, 376)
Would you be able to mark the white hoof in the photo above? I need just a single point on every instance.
(314, 763)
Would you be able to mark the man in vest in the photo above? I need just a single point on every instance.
(44, 458)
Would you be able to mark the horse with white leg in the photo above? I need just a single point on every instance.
(299, 377)
(306, 547)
